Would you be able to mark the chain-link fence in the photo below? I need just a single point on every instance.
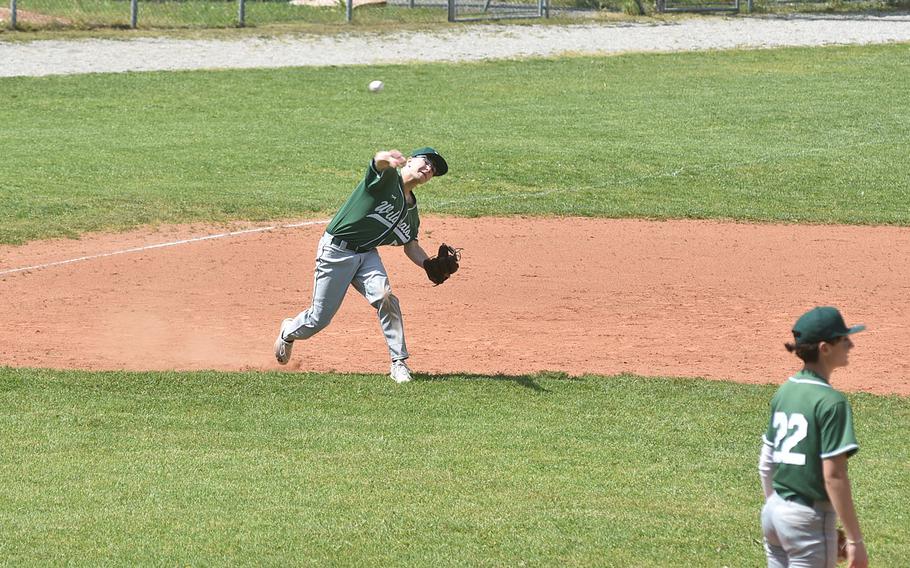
(778, 6)
(698, 5)
(177, 14)
(472, 10)
(298, 14)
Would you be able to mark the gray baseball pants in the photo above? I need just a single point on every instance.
(336, 269)
(797, 535)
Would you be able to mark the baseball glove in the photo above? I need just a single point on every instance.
(443, 265)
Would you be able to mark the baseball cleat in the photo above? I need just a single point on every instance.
(282, 347)
(400, 372)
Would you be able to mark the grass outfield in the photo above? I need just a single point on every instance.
(804, 135)
(288, 468)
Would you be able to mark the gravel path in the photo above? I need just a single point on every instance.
(472, 42)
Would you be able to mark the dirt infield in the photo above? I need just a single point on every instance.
(674, 298)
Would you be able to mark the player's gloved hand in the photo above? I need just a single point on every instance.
(443, 265)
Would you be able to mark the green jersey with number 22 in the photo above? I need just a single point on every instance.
(810, 421)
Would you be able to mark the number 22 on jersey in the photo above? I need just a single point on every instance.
(791, 430)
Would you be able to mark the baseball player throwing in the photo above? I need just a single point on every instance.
(803, 462)
(382, 210)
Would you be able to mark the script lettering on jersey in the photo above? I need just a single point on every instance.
(386, 214)
(403, 231)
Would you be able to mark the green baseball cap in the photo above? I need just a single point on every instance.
(822, 324)
(438, 162)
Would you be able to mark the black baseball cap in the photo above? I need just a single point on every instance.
(822, 324)
(439, 162)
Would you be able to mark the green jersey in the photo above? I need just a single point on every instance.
(376, 213)
(810, 421)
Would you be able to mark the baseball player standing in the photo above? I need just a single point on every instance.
(803, 462)
(382, 210)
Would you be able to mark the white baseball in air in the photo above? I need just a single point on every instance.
(376, 86)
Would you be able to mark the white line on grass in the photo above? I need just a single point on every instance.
(162, 245)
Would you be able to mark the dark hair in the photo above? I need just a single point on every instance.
(808, 352)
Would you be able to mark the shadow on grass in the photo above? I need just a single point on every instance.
(526, 381)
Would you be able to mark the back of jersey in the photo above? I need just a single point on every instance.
(810, 421)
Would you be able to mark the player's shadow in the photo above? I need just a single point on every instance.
(526, 381)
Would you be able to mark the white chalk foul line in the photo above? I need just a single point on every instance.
(162, 245)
